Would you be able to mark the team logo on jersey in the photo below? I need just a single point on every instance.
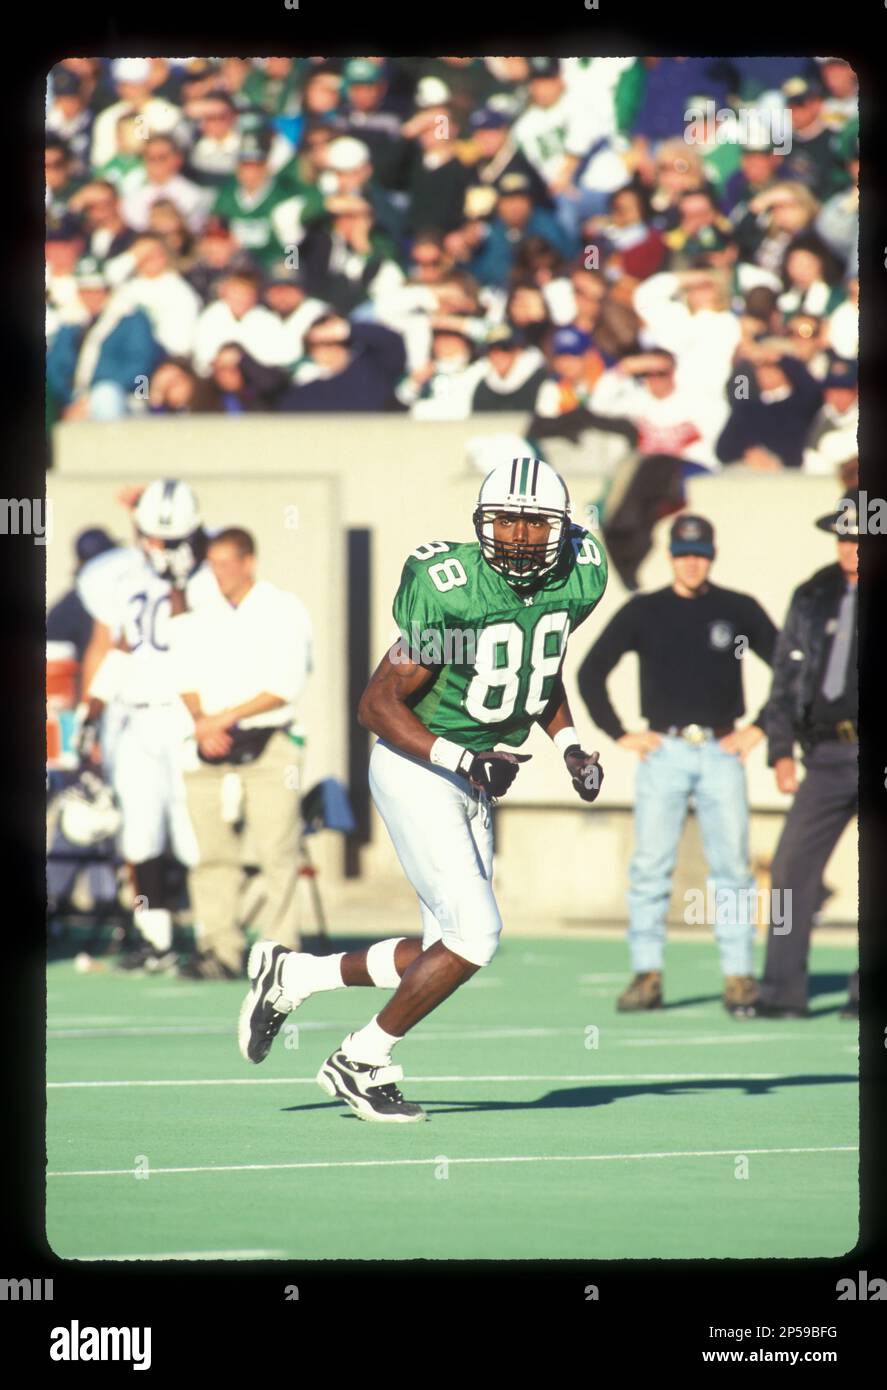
(720, 634)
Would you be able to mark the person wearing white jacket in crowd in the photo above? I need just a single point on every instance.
(238, 317)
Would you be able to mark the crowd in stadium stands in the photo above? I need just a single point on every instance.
(449, 236)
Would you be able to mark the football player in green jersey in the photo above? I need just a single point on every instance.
(484, 628)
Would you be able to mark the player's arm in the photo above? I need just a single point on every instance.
(584, 768)
(104, 681)
(383, 709)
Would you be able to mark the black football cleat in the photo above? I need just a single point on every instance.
(370, 1091)
(148, 959)
(265, 1007)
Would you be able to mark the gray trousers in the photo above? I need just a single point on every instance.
(825, 802)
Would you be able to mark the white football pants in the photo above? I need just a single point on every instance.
(147, 779)
(442, 832)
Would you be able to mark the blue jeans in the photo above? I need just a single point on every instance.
(666, 779)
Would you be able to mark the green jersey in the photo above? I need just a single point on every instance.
(499, 651)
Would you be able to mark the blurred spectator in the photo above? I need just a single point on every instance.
(839, 414)
(837, 222)
(372, 115)
(810, 275)
(701, 227)
(127, 157)
(212, 157)
(286, 297)
(161, 178)
(496, 154)
(132, 81)
(237, 316)
(758, 170)
(568, 138)
(843, 324)
(767, 428)
(513, 376)
(576, 366)
(273, 86)
(238, 384)
(773, 219)
(176, 389)
(69, 117)
(346, 258)
(167, 221)
(814, 158)
(515, 219)
(265, 216)
(349, 367)
(64, 247)
(348, 169)
(841, 103)
(92, 368)
(688, 313)
(436, 179)
(68, 620)
(61, 181)
(626, 244)
(672, 85)
(108, 235)
(676, 426)
(216, 252)
(676, 170)
(442, 386)
(166, 297)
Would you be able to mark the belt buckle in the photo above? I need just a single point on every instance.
(693, 733)
(846, 731)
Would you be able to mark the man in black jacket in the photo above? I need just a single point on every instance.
(813, 701)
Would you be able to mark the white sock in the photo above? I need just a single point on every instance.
(155, 925)
(370, 1044)
(303, 974)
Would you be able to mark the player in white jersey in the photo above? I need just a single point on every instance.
(132, 597)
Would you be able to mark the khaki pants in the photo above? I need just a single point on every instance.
(271, 795)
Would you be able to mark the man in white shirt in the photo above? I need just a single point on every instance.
(677, 429)
(160, 177)
(238, 317)
(240, 671)
(166, 297)
(133, 79)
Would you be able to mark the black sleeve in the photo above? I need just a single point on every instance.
(780, 707)
(734, 438)
(618, 637)
(806, 385)
(762, 637)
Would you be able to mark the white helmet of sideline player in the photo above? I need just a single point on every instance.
(528, 487)
(168, 511)
(89, 812)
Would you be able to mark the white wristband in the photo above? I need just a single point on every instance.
(445, 753)
(566, 738)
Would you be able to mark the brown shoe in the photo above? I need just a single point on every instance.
(644, 992)
(740, 995)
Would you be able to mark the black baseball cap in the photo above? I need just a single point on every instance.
(94, 541)
(692, 535)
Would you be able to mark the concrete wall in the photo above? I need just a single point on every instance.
(412, 482)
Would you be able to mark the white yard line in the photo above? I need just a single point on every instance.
(190, 1255)
(426, 1162)
(309, 1080)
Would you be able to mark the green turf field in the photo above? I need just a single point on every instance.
(538, 1145)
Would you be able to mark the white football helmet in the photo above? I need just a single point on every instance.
(89, 812)
(168, 511)
(529, 487)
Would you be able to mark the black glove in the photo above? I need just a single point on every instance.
(585, 770)
(85, 742)
(492, 772)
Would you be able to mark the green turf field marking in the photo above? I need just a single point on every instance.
(425, 1162)
(190, 1255)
